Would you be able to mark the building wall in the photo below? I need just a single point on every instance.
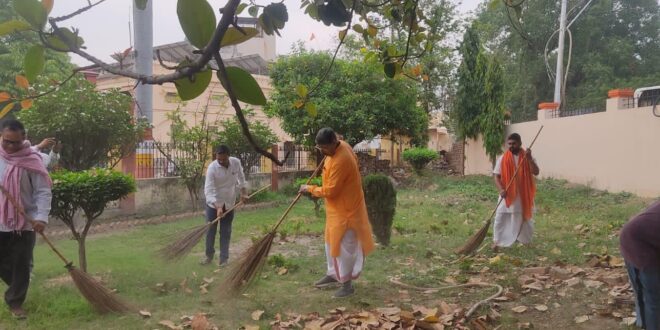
(616, 150)
(439, 139)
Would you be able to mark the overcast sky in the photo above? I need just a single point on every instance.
(105, 28)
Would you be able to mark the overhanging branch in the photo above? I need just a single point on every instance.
(222, 75)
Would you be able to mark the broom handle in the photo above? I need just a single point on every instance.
(316, 171)
(515, 173)
(32, 221)
(239, 204)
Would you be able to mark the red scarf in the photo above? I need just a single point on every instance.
(524, 185)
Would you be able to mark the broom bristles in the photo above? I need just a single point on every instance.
(103, 300)
(248, 266)
(475, 240)
(183, 243)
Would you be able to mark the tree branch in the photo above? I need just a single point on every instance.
(75, 71)
(77, 12)
(332, 62)
(162, 63)
(222, 75)
(412, 21)
(211, 48)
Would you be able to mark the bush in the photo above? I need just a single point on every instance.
(419, 157)
(89, 191)
(317, 181)
(380, 197)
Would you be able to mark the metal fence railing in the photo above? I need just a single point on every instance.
(640, 102)
(151, 160)
(297, 158)
(161, 160)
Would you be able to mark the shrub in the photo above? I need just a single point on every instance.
(89, 191)
(419, 157)
(380, 197)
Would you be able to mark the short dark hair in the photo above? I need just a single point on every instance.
(326, 136)
(514, 137)
(222, 149)
(13, 125)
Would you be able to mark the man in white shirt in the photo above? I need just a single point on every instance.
(223, 176)
(24, 176)
(53, 157)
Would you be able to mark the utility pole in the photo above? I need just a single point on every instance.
(144, 42)
(559, 77)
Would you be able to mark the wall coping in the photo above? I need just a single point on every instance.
(548, 106)
(621, 92)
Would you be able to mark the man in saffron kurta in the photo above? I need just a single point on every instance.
(513, 220)
(348, 236)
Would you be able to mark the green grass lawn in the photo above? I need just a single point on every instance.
(434, 216)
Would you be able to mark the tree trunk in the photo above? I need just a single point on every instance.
(82, 255)
(192, 199)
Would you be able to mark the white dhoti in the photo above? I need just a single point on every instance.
(348, 265)
(509, 225)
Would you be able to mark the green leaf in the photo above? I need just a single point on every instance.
(313, 11)
(245, 86)
(253, 11)
(358, 28)
(233, 36)
(390, 70)
(141, 4)
(62, 44)
(493, 4)
(372, 31)
(342, 35)
(391, 50)
(311, 109)
(32, 11)
(278, 13)
(240, 8)
(12, 26)
(265, 23)
(34, 61)
(189, 89)
(301, 90)
(197, 20)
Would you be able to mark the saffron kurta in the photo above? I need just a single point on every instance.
(344, 200)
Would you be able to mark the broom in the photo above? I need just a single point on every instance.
(253, 258)
(477, 238)
(185, 241)
(102, 299)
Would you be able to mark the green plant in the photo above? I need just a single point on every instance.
(94, 127)
(380, 197)
(419, 157)
(280, 261)
(377, 105)
(230, 134)
(89, 191)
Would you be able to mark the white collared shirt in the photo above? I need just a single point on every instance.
(221, 183)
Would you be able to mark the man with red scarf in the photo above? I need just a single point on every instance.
(513, 220)
(24, 176)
